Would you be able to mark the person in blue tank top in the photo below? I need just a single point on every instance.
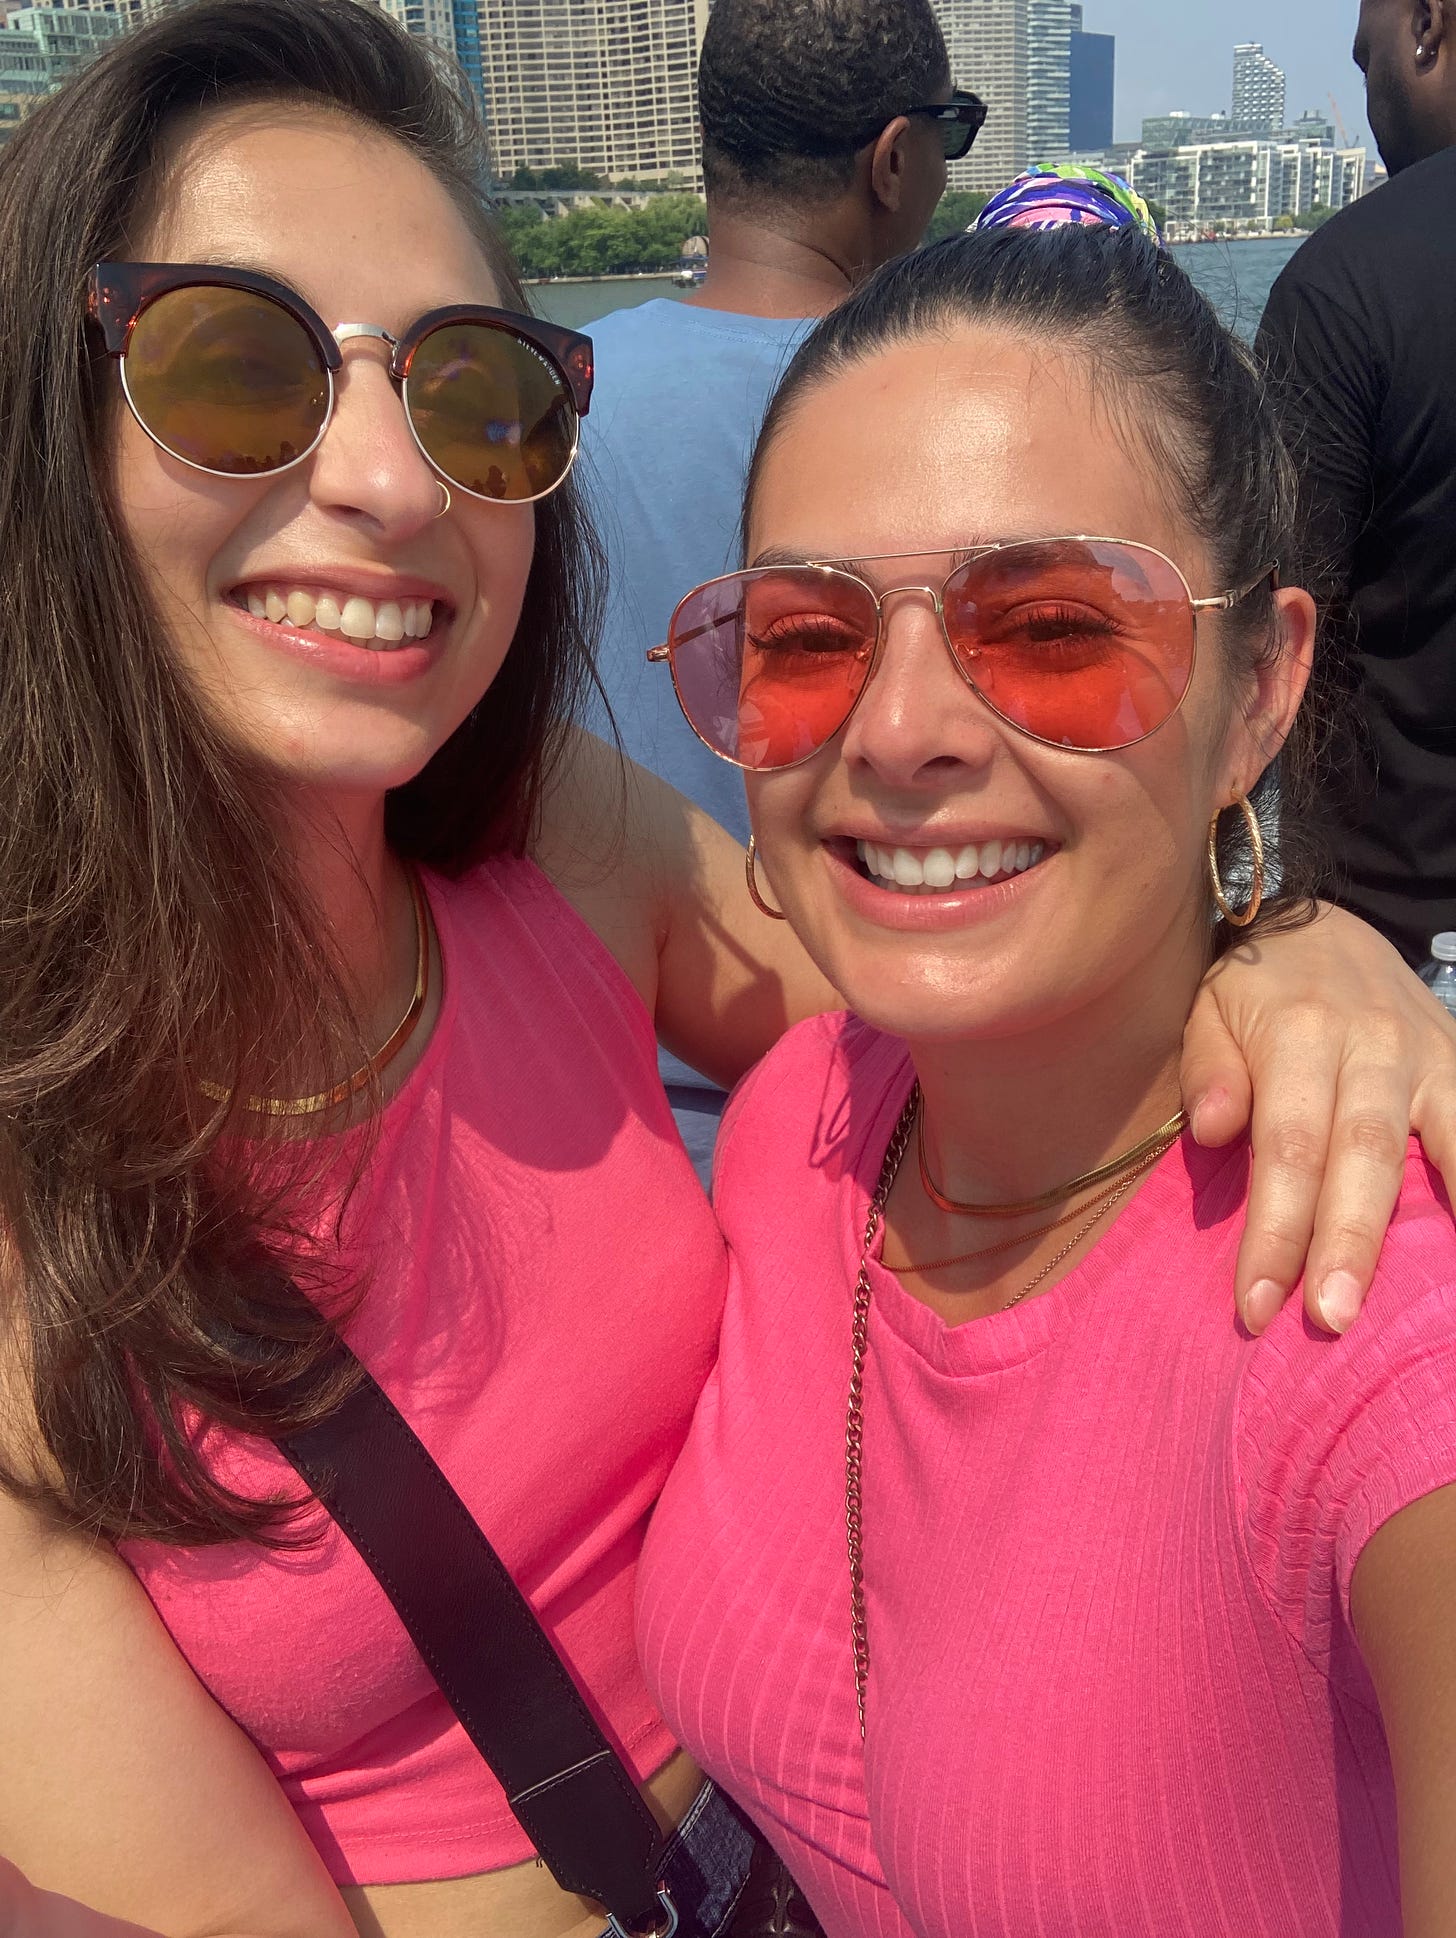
(826, 132)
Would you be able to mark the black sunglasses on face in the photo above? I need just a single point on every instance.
(960, 120)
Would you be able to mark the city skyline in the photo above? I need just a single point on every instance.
(1167, 61)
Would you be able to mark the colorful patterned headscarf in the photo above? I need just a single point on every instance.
(1051, 197)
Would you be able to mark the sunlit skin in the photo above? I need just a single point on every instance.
(1044, 1014)
(376, 239)
(366, 234)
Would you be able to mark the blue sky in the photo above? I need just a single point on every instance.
(1179, 54)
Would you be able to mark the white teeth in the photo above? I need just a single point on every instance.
(939, 869)
(380, 626)
(358, 619)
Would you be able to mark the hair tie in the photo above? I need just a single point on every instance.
(1066, 195)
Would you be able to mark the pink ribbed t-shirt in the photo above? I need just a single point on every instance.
(1109, 1539)
(545, 1281)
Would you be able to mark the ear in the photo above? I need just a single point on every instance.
(889, 162)
(1431, 21)
(1262, 726)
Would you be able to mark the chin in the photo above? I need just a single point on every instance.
(944, 1003)
(350, 766)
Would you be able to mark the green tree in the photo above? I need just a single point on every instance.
(1316, 217)
(602, 241)
(957, 210)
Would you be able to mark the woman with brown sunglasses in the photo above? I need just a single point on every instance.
(329, 948)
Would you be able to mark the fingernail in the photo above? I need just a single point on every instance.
(1339, 1301)
(1209, 1102)
(1262, 1303)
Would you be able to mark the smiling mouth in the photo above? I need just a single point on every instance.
(377, 625)
(937, 871)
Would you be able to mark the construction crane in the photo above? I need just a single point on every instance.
(1340, 129)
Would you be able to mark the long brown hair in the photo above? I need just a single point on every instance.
(153, 929)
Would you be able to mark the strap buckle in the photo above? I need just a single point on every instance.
(664, 1930)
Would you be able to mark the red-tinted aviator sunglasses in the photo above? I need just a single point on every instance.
(233, 373)
(1083, 643)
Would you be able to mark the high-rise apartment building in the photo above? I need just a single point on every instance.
(452, 25)
(610, 85)
(1258, 91)
(1048, 79)
(987, 40)
(1092, 78)
(42, 46)
(131, 13)
(1250, 182)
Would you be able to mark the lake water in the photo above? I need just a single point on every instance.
(1236, 276)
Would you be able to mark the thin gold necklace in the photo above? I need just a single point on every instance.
(1104, 1174)
(1150, 1150)
(382, 1058)
(1005, 1244)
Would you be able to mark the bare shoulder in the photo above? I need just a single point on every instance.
(663, 886)
(612, 838)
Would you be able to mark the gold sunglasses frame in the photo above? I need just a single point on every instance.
(1217, 602)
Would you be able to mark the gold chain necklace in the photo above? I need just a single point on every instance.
(1104, 1174)
(382, 1058)
(1147, 1154)
(1006, 1244)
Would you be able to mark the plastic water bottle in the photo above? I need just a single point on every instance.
(1439, 974)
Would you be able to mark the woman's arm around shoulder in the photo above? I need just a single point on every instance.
(663, 886)
(123, 1786)
(1320, 1042)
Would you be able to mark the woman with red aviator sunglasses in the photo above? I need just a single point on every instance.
(330, 947)
(1084, 1585)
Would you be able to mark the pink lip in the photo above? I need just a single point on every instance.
(957, 908)
(329, 652)
(372, 584)
(920, 840)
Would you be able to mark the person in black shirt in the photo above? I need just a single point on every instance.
(1360, 333)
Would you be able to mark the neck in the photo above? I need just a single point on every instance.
(1013, 1117)
(758, 271)
(362, 894)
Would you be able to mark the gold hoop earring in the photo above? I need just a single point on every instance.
(1239, 919)
(446, 489)
(773, 914)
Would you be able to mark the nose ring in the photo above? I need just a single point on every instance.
(446, 506)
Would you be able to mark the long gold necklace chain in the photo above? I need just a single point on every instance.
(1147, 1155)
(383, 1056)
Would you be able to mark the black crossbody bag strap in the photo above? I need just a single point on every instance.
(570, 1792)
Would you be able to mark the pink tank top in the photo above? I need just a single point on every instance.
(1114, 1689)
(545, 1281)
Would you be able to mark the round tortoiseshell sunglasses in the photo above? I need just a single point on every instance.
(234, 373)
